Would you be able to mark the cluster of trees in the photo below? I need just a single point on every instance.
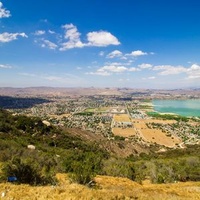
(58, 151)
(168, 116)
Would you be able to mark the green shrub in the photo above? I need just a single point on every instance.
(27, 171)
(82, 173)
(119, 168)
(83, 166)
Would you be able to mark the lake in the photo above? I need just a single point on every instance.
(188, 108)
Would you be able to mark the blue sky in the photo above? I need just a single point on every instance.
(93, 43)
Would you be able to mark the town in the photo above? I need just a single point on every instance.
(113, 114)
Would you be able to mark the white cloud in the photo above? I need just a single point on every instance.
(145, 66)
(151, 77)
(71, 44)
(101, 39)
(133, 69)
(169, 69)
(114, 54)
(8, 37)
(51, 32)
(116, 63)
(99, 73)
(112, 68)
(5, 66)
(71, 32)
(3, 12)
(73, 37)
(101, 53)
(194, 67)
(39, 32)
(48, 44)
(137, 53)
(194, 72)
(193, 77)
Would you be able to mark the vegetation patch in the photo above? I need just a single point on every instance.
(57, 151)
(168, 116)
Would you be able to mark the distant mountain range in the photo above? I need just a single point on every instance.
(50, 91)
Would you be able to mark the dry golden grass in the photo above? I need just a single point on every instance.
(141, 129)
(107, 188)
(158, 121)
(121, 118)
(159, 137)
(155, 135)
(124, 132)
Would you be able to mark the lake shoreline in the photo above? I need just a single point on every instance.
(186, 108)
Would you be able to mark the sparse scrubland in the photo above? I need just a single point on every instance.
(88, 163)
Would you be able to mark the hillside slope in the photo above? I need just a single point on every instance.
(107, 188)
(85, 156)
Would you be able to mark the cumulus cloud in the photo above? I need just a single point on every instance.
(73, 37)
(113, 68)
(194, 72)
(133, 69)
(8, 37)
(137, 53)
(3, 12)
(114, 54)
(194, 67)
(117, 64)
(71, 32)
(101, 39)
(98, 39)
(5, 66)
(145, 66)
(39, 32)
(169, 69)
(133, 55)
(48, 44)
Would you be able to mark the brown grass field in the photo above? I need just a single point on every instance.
(155, 135)
(140, 128)
(121, 118)
(108, 188)
(124, 132)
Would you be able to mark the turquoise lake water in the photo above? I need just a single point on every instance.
(186, 108)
